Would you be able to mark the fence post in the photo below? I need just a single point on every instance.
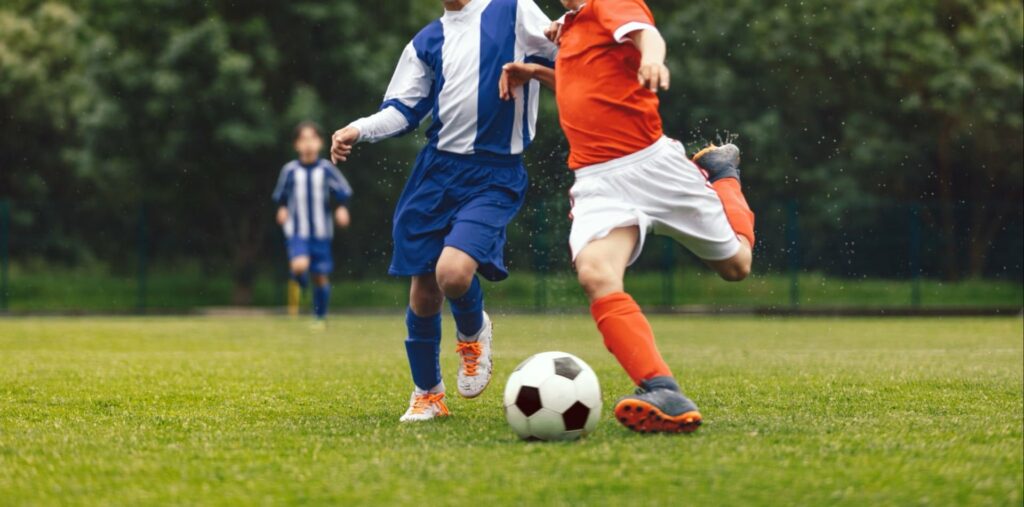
(5, 231)
(793, 249)
(538, 238)
(140, 296)
(668, 264)
(915, 255)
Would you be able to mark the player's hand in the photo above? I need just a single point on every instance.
(342, 217)
(282, 215)
(342, 142)
(514, 75)
(554, 32)
(653, 75)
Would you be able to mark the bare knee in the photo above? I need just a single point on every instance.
(598, 279)
(454, 273)
(321, 280)
(734, 271)
(425, 297)
(299, 266)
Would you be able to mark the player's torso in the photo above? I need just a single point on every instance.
(604, 111)
(466, 50)
(309, 215)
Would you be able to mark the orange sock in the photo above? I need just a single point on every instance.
(628, 336)
(736, 208)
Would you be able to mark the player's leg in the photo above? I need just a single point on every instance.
(298, 269)
(456, 276)
(722, 167)
(658, 405)
(321, 296)
(491, 192)
(423, 346)
(419, 228)
(321, 265)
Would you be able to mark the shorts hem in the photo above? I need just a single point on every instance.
(714, 258)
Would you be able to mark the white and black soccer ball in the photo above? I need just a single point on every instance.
(553, 396)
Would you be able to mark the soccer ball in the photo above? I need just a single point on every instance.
(553, 396)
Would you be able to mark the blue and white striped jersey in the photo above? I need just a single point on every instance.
(307, 191)
(450, 71)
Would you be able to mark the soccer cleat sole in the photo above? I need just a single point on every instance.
(643, 417)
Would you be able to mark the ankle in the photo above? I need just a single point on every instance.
(662, 382)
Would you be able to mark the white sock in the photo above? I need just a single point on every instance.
(439, 388)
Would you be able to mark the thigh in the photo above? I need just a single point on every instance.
(321, 258)
(611, 253)
(297, 247)
(478, 228)
(599, 207)
(683, 206)
(421, 222)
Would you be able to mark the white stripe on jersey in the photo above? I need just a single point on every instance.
(320, 229)
(302, 203)
(460, 57)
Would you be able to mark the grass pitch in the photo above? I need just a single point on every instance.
(261, 411)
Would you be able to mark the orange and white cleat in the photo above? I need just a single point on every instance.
(424, 406)
(658, 407)
(476, 366)
(719, 162)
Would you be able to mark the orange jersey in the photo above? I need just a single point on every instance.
(604, 111)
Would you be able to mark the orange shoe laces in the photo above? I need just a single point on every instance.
(422, 401)
(470, 352)
(707, 149)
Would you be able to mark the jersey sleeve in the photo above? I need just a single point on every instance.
(340, 189)
(410, 89)
(283, 190)
(530, 25)
(622, 17)
(388, 122)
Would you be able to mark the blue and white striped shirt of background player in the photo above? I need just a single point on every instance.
(306, 191)
(450, 71)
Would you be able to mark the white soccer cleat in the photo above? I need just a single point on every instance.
(424, 406)
(476, 366)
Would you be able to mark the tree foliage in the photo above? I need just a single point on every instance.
(184, 107)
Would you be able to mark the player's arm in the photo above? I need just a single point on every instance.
(516, 74)
(341, 191)
(630, 21)
(539, 51)
(407, 102)
(282, 191)
(653, 73)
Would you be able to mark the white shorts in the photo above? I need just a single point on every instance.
(658, 189)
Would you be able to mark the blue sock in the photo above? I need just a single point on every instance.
(424, 349)
(321, 298)
(302, 280)
(468, 309)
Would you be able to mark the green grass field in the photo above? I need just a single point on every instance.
(262, 411)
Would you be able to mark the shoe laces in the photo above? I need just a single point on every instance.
(470, 352)
(424, 401)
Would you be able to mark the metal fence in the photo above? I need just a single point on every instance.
(858, 243)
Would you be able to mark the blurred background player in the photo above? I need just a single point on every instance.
(631, 180)
(468, 181)
(303, 195)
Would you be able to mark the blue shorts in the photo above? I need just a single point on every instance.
(318, 250)
(461, 201)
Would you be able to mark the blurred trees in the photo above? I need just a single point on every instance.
(185, 106)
